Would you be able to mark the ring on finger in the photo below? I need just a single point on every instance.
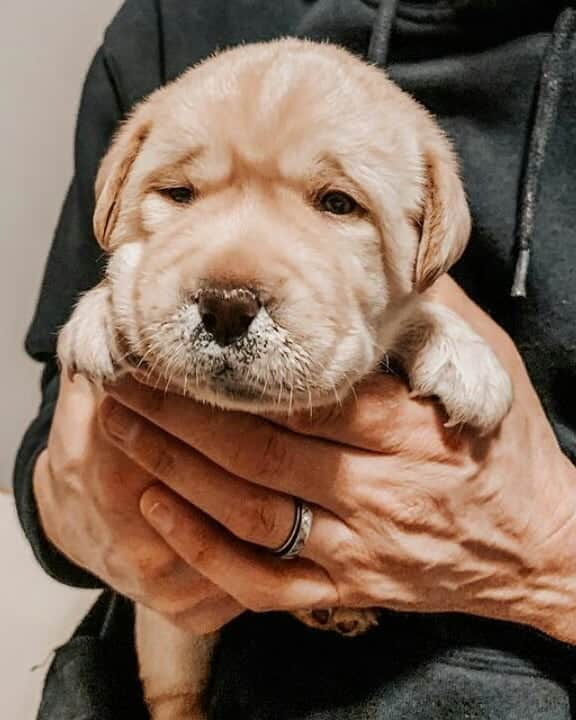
(299, 534)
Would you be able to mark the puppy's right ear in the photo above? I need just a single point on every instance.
(445, 222)
(113, 173)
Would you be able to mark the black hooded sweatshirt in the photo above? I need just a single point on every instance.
(500, 76)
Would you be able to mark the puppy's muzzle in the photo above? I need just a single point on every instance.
(227, 313)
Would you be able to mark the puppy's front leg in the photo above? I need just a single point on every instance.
(174, 667)
(444, 357)
(87, 343)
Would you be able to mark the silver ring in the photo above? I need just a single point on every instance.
(298, 537)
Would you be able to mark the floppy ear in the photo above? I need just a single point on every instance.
(445, 223)
(113, 173)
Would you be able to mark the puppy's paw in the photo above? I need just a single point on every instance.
(454, 364)
(86, 344)
(345, 621)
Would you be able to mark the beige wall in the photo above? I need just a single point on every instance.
(45, 49)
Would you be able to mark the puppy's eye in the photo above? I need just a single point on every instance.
(180, 195)
(338, 203)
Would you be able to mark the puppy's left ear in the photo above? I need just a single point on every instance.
(445, 222)
(113, 173)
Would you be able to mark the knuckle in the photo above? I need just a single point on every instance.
(346, 551)
(274, 457)
(143, 568)
(151, 566)
(231, 518)
(259, 522)
(112, 565)
(418, 508)
(463, 468)
(198, 548)
(67, 463)
(347, 492)
(267, 520)
(162, 458)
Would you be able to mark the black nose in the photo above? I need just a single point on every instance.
(227, 312)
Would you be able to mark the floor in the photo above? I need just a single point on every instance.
(36, 615)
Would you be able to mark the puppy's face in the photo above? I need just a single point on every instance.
(270, 216)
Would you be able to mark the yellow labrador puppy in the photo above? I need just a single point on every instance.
(273, 220)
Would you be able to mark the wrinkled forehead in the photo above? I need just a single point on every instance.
(276, 111)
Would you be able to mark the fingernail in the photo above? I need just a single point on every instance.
(118, 420)
(161, 517)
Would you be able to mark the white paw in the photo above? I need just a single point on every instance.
(463, 372)
(86, 344)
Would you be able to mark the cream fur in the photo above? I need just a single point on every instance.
(259, 131)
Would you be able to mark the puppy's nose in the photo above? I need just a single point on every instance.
(227, 313)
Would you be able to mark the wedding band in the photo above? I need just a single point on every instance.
(299, 534)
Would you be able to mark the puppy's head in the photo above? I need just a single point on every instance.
(269, 215)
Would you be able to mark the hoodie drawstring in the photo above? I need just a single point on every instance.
(381, 32)
(553, 70)
(554, 66)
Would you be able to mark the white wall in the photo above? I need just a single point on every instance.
(45, 50)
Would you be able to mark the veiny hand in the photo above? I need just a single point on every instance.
(408, 515)
(88, 494)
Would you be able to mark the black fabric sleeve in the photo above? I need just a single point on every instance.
(75, 264)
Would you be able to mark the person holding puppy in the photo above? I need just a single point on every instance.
(467, 542)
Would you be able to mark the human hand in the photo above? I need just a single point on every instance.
(408, 515)
(88, 495)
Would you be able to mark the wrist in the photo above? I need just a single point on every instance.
(550, 600)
